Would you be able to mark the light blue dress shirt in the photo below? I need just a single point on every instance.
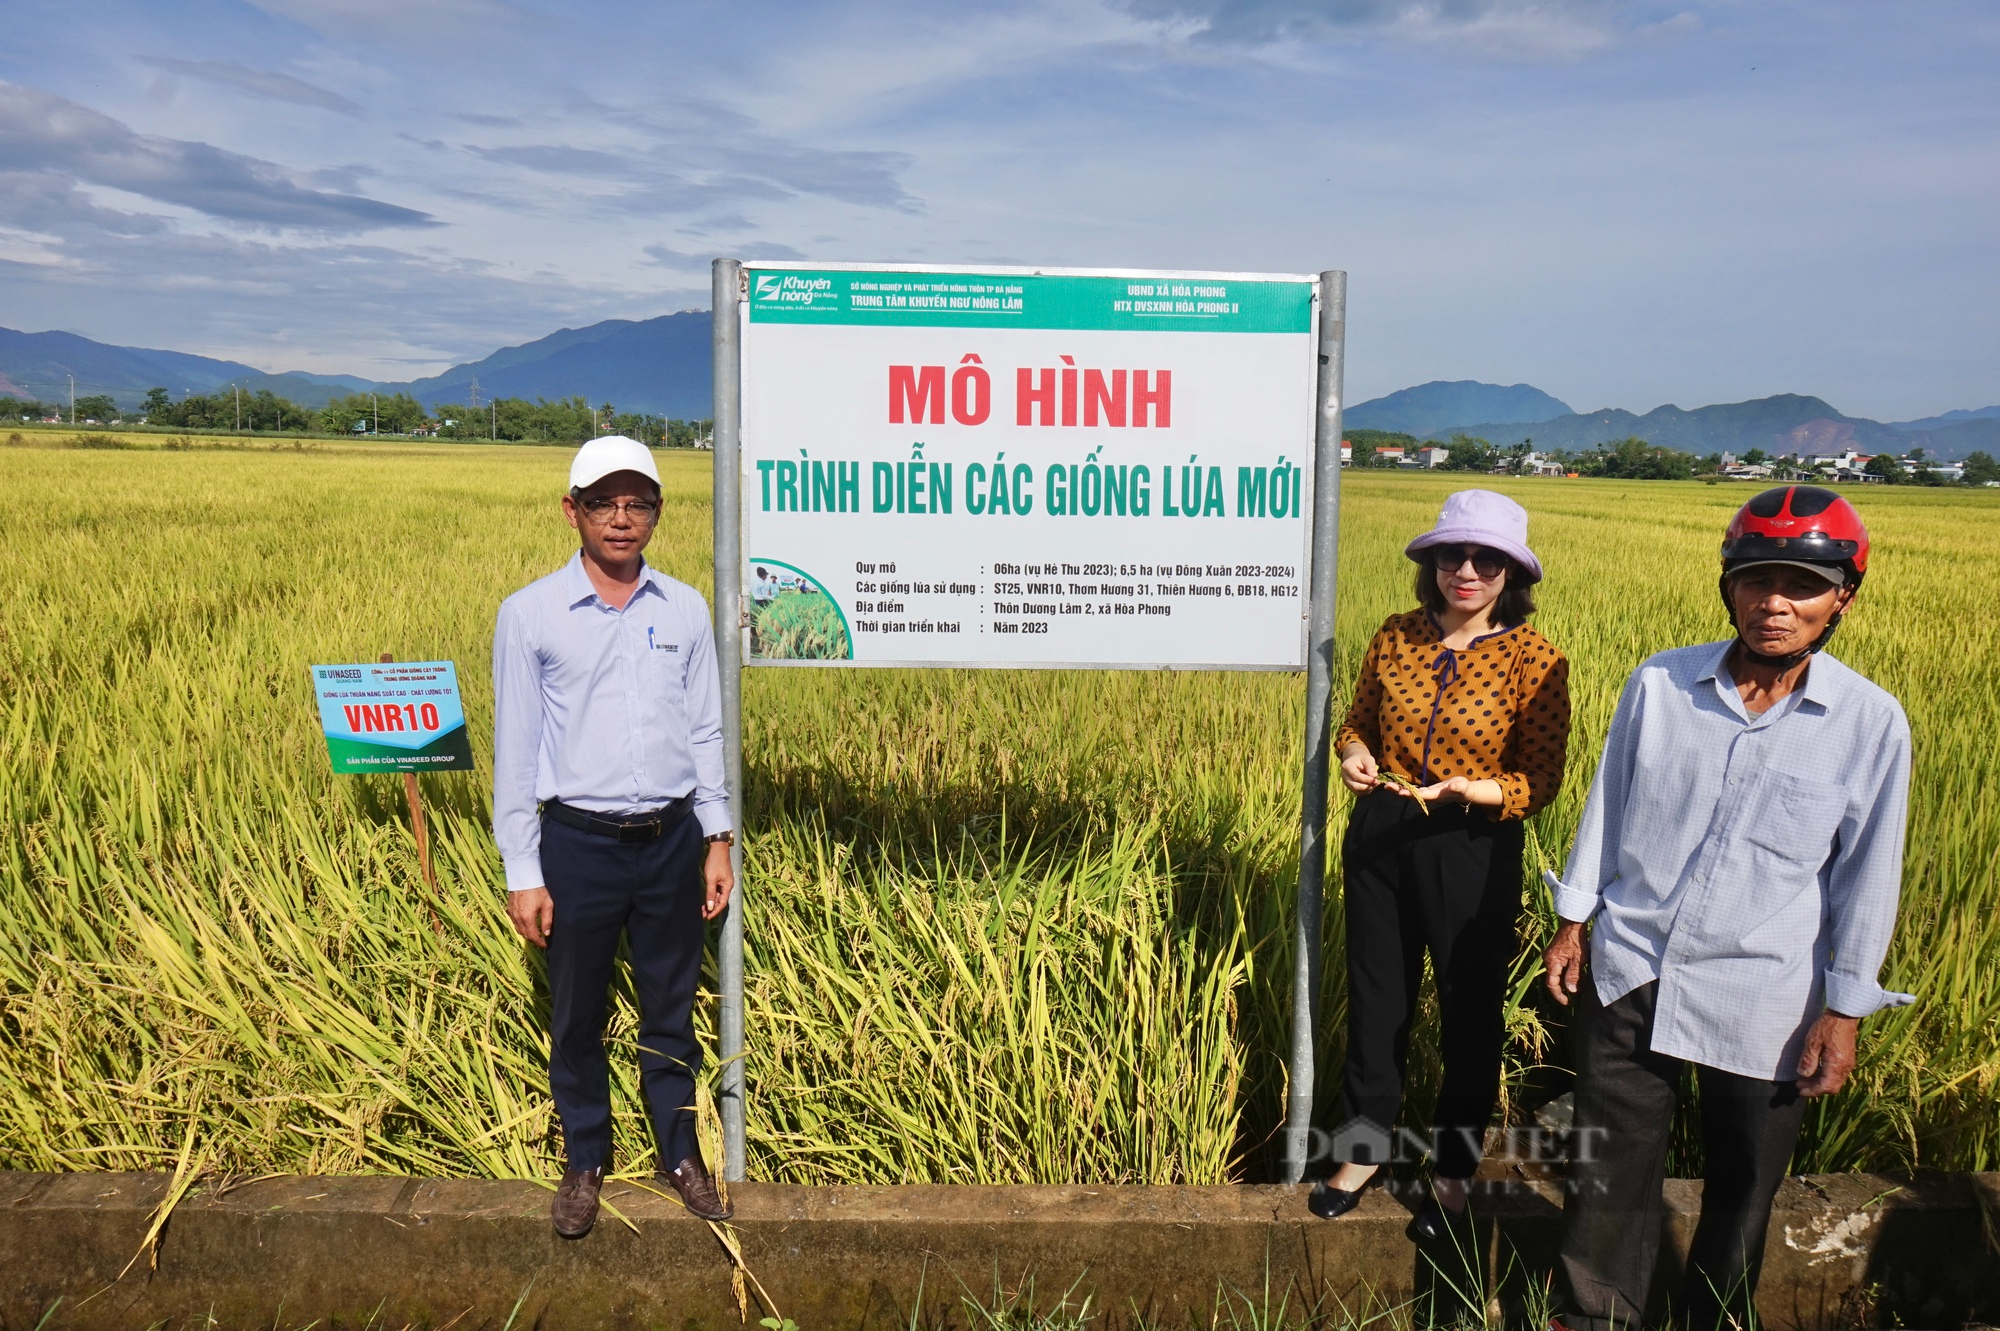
(1750, 864)
(614, 711)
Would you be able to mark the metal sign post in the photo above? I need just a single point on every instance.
(1319, 736)
(728, 292)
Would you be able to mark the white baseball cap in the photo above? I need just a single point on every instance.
(614, 452)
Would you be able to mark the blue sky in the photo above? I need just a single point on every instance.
(1623, 204)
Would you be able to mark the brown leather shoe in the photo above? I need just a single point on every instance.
(691, 1179)
(575, 1207)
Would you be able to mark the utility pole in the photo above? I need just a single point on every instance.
(493, 420)
(236, 390)
(72, 402)
(374, 416)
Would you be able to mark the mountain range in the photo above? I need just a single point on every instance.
(658, 365)
(662, 365)
(1443, 404)
(41, 365)
(1785, 423)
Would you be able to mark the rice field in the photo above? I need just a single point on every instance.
(1003, 927)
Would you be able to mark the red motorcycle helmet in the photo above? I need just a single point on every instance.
(1798, 524)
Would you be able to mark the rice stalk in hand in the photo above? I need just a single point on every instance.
(1408, 787)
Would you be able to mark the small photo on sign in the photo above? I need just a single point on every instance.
(792, 615)
(393, 716)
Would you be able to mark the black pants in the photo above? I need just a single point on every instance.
(653, 892)
(1448, 883)
(1625, 1096)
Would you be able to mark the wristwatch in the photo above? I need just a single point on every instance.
(727, 838)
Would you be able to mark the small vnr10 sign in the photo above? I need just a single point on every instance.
(395, 716)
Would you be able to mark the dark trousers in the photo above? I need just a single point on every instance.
(651, 891)
(1447, 883)
(1625, 1098)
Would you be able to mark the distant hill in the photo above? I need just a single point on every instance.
(655, 365)
(1786, 423)
(1950, 418)
(658, 365)
(1980, 434)
(1444, 404)
(308, 390)
(39, 365)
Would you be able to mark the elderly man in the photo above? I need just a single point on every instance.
(609, 807)
(1737, 872)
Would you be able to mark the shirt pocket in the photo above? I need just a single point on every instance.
(664, 673)
(1793, 819)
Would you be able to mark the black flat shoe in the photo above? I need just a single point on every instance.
(1433, 1224)
(1330, 1203)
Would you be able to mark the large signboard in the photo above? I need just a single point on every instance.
(393, 716)
(1002, 467)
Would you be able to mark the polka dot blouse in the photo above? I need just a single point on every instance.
(1499, 709)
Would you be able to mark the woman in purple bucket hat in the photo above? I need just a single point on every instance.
(1459, 730)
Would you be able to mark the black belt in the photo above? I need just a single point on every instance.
(623, 826)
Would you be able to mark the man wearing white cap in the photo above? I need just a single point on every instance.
(610, 811)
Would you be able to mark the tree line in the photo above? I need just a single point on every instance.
(98, 407)
(506, 420)
(1979, 469)
(1633, 458)
(1626, 459)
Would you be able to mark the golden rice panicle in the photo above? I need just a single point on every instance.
(1002, 926)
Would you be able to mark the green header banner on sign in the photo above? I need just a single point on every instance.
(1154, 303)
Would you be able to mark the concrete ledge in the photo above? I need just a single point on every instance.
(1845, 1250)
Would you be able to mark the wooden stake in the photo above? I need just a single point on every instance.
(417, 825)
(421, 829)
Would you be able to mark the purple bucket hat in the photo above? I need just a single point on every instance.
(1481, 517)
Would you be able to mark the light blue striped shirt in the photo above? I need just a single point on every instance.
(614, 711)
(1750, 864)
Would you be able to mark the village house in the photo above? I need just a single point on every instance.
(1848, 466)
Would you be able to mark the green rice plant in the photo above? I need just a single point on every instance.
(799, 626)
(1002, 926)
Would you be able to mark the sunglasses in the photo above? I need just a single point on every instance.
(1486, 563)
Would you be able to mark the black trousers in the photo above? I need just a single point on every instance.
(651, 891)
(1625, 1099)
(1447, 883)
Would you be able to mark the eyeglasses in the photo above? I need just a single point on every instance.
(1486, 563)
(641, 511)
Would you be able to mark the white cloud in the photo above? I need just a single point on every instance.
(41, 133)
(1493, 29)
(257, 82)
(36, 249)
(374, 20)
